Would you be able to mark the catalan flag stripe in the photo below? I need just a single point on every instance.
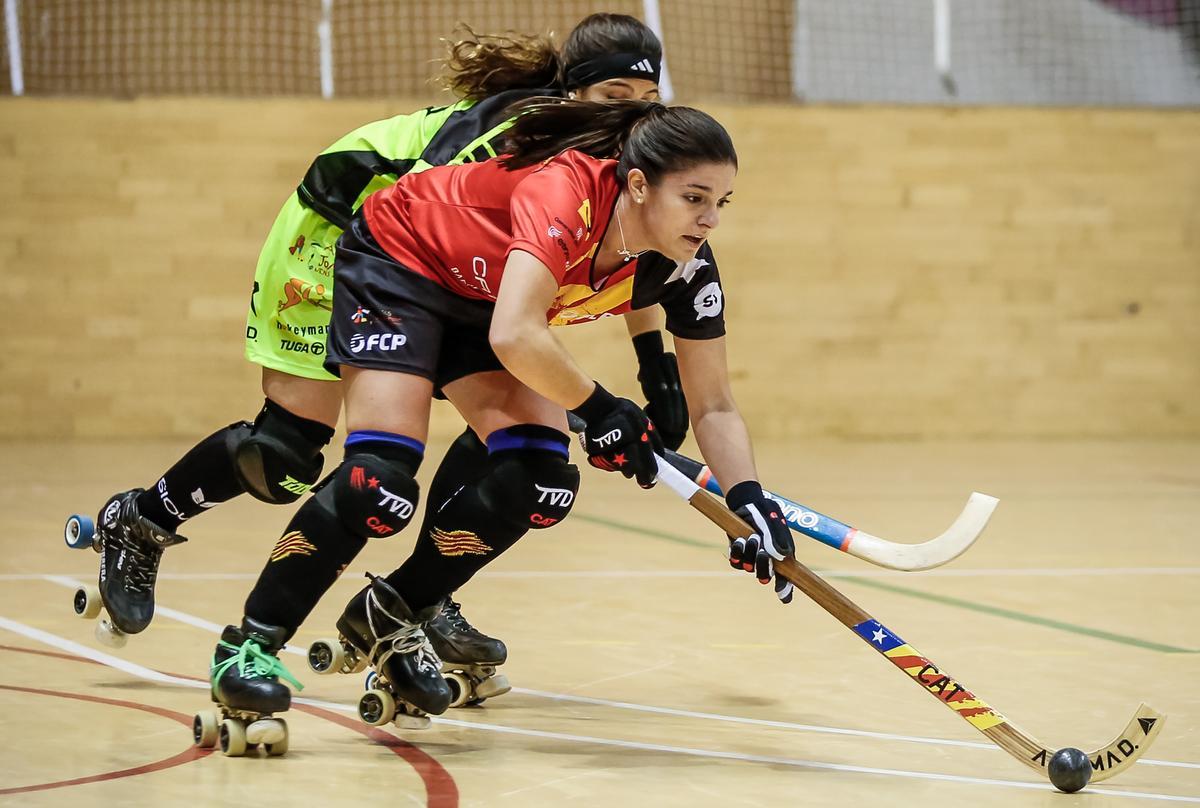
(293, 543)
(455, 543)
(928, 676)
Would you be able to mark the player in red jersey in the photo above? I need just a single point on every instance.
(450, 280)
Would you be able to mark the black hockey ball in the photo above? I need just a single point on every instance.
(1070, 770)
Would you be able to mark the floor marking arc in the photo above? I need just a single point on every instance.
(142, 672)
(186, 756)
(441, 790)
(292, 649)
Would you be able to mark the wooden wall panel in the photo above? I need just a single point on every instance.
(890, 272)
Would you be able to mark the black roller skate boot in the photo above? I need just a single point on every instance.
(245, 676)
(469, 657)
(130, 548)
(378, 628)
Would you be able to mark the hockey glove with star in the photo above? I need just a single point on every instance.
(772, 539)
(619, 436)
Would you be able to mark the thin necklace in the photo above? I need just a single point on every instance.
(624, 251)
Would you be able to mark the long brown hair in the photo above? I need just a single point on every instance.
(645, 135)
(482, 65)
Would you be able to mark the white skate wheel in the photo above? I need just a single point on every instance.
(265, 730)
(205, 729)
(87, 602)
(110, 635)
(376, 707)
(279, 747)
(460, 688)
(78, 532)
(232, 736)
(491, 687)
(326, 656)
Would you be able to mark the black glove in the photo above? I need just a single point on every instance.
(619, 436)
(772, 539)
(658, 373)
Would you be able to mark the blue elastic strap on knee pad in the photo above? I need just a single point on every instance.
(528, 436)
(375, 436)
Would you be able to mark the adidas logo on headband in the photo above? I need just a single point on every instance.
(644, 66)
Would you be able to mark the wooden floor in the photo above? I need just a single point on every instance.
(646, 672)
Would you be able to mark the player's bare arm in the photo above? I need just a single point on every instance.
(522, 340)
(719, 428)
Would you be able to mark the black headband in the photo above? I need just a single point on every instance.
(614, 66)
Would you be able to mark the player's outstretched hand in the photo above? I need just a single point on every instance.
(620, 437)
(658, 373)
(772, 539)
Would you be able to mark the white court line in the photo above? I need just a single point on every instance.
(1010, 572)
(198, 622)
(182, 617)
(153, 675)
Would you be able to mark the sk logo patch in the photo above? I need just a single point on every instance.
(708, 301)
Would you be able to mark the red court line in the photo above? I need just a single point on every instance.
(440, 789)
(55, 654)
(186, 756)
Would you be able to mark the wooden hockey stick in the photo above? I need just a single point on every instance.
(1107, 761)
(894, 555)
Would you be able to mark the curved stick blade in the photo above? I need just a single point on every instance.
(1108, 761)
(1124, 750)
(933, 553)
(955, 541)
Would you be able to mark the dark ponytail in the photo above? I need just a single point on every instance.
(645, 135)
(481, 65)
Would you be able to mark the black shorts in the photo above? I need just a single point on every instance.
(387, 317)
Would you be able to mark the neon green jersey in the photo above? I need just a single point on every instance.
(292, 298)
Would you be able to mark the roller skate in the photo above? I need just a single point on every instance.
(245, 676)
(469, 657)
(378, 628)
(130, 548)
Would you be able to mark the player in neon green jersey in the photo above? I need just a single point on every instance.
(278, 457)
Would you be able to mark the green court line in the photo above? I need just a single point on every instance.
(946, 600)
(1036, 620)
(645, 531)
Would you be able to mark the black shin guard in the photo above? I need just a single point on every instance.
(202, 478)
(371, 494)
(526, 483)
(463, 464)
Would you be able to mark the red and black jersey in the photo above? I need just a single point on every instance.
(456, 226)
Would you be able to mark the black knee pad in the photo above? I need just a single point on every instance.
(278, 457)
(530, 488)
(373, 496)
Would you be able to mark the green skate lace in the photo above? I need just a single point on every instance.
(254, 663)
